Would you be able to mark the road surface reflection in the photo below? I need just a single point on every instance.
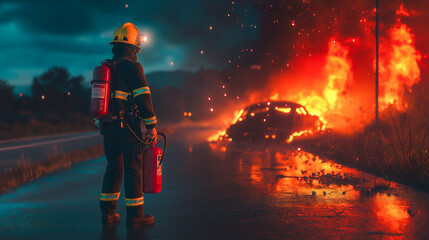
(304, 185)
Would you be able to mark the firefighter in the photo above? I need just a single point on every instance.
(131, 108)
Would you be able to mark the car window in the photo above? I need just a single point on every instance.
(303, 110)
(286, 110)
(259, 110)
(299, 111)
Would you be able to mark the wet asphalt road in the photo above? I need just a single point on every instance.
(17, 151)
(212, 191)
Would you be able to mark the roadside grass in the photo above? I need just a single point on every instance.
(27, 171)
(396, 148)
(53, 125)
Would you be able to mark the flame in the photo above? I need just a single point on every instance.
(298, 134)
(337, 70)
(339, 86)
(399, 69)
(402, 11)
(220, 134)
(237, 115)
(217, 136)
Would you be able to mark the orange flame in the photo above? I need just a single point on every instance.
(325, 102)
(221, 134)
(399, 69)
(326, 86)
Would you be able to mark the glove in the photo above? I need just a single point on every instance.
(97, 122)
(151, 135)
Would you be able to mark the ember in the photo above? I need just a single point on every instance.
(336, 82)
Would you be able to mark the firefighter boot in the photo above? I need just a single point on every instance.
(135, 216)
(110, 217)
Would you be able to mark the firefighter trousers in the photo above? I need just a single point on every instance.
(124, 159)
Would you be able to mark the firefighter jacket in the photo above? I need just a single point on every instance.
(131, 98)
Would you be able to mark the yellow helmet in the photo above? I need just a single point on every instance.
(128, 33)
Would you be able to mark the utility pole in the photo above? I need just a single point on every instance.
(376, 61)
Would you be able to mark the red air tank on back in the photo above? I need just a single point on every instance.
(101, 87)
(152, 165)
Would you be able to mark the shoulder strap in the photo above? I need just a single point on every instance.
(118, 82)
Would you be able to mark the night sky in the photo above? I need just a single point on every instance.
(192, 34)
(76, 34)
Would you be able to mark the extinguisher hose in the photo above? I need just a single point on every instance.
(147, 142)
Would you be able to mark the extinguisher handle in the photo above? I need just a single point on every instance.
(152, 143)
(165, 147)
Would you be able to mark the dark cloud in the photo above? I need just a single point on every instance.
(181, 30)
(51, 17)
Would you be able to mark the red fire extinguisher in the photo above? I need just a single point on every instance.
(152, 167)
(101, 87)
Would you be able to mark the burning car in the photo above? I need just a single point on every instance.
(276, 121)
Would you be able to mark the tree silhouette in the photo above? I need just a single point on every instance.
(56, 92)
(7, 98)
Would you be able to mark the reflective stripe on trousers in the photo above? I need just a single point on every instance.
(134, 201)
(109, 196)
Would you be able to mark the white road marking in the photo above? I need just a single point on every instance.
(47, 142)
